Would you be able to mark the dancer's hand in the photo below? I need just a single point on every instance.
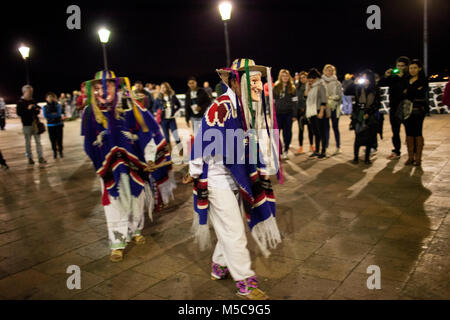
(151, 167)
(187, 179)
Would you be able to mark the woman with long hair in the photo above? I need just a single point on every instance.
(364, 118)
(334, 95)
(416, 92)
(301, 113)
(316, 110)
(285, 98)
(167, 105)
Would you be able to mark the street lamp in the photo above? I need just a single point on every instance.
(103, 34)
(25, 52)
(225, 13)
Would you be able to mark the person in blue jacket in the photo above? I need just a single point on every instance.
(52, 112)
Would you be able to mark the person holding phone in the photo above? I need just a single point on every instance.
(397, 82)
(28, 111)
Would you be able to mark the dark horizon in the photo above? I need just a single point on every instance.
(172, 40)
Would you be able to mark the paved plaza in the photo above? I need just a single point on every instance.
(336, 219)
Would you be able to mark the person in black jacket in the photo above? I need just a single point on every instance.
(416, 92)
(28, 111)
(300, 114)
(166, 105)
(397, 83)
(196, 103)
(364, 118)
(285, 99)
(143, 96)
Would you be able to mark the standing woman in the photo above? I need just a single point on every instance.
(285, 97)
(52, 112)
(167, 105)
(316, 109)
(301, 113)
(416, 92)
(334, 95)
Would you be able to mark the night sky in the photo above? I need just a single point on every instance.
(157, 41)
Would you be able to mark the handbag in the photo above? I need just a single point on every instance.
(38, 126)
(404, 110)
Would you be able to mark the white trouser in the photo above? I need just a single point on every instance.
(226, 218)
(124, 223)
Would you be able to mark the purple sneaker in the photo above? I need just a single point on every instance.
(219, 272)
(248, 289)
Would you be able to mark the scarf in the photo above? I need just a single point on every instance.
(254, 186)
(311, 101)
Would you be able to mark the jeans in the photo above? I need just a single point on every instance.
(301, 130)
(285, 125)
(170, 124)
(335, 124)
(395, 125)
(55, 134)
(196, 123)
(346, 104)
(28, 132)
(319, 129)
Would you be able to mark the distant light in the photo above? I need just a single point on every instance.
(103, 34)
(395, 71)
(24, 51)
(225, 10)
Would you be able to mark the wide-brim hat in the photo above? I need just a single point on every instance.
(106, 75)
(239, 66)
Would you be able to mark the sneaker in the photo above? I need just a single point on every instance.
(321, 156)
(42, 160)
(337, 151)
(373, 151)
(219, 272)
(30, 161)
(248, 289)
(284, 156)
(393, 156)
(367, 161)
(300, 150)
(314, 154)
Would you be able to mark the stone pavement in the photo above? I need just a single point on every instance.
(336, 219)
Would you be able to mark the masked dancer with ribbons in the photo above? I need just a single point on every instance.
(233, 154)
(129, 154)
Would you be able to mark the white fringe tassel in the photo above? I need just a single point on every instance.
(149, 201)
(267, 235)
(166, 188)
(202, 234)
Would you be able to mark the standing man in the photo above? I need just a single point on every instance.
(196, 103)
(125, 143)
(397, 82)
(143, 96)
(207, 88)
(223, 184)
(28, 111)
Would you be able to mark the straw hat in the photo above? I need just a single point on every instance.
(239, 66)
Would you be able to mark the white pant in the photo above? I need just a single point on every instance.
(123, 224)
(226, 218)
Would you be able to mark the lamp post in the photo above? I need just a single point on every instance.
(103, 34)
(25, 52)
(425, 36)
(225, 13)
